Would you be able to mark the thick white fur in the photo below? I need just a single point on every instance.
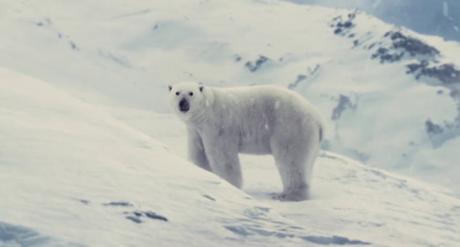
(223, 122)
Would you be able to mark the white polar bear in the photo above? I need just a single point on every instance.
(223, 122)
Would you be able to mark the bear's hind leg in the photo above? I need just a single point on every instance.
(293, 177)
(294, 162)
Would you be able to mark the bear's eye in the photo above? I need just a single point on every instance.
(177, 93)
(191, 93)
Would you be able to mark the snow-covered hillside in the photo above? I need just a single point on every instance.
(125, 54)
(90, 156)
(72, 175)
(432, 17)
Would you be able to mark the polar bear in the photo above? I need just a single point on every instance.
(223, 122)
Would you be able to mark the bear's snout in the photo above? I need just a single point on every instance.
(184, 106)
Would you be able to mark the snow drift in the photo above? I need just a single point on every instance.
(88, 157)
(73, 172)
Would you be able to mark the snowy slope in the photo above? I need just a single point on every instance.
(71, 171)
(123, 56)
(72, 175)
(87, 150)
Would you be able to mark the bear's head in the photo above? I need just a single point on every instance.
(188, 100)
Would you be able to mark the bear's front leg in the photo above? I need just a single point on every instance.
(223, 158)
(196, 152)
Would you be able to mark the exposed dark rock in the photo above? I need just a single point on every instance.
(441, 133)
(402, 45)
(347, 24)
(334, 240)
(137, 213)
(299, 79)
(446, 73)
(311, 72)
(138, 216)
(432, 128)
(344, 103)
(245, 231)
(209, 197)
(83, 201)
(254, 66)
(134, 219)
(44, 22)
(119, 204)
(237, 58)
(414, 68)
(355, 42)
(412, 45)
(15, 235)
(424, 62)
(386, 55)
(73, 46)
(343, 27)
(155, 216)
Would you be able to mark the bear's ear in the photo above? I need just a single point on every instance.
(169, 87)
(201, 88)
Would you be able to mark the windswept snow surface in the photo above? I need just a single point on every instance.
(71, 171)
(124, 54)
(89, 157)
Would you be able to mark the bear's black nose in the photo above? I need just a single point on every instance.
(184, 106)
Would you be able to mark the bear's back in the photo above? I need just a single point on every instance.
(258, 113)
(268, 100)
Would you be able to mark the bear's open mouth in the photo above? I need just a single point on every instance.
(184, 106)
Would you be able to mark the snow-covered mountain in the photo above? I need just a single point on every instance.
(381, 108)
(432, 17)
(90, 156)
